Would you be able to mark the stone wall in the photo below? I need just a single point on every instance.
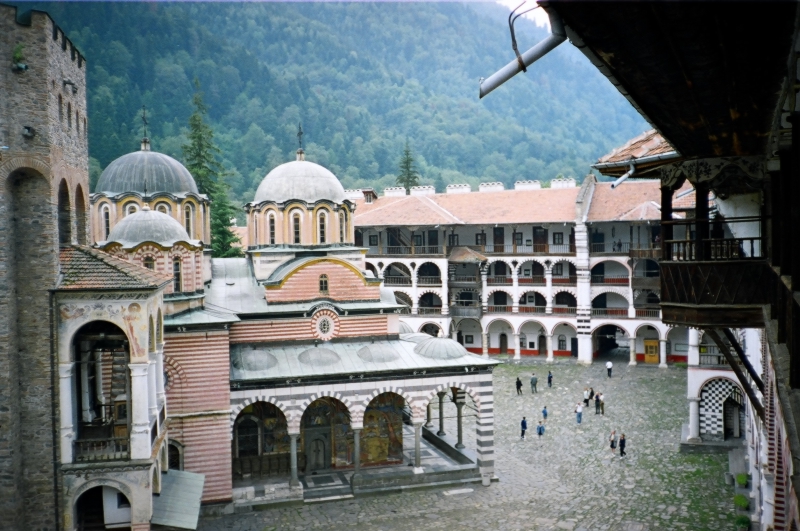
(43, 151)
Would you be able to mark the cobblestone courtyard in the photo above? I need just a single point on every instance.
(566, 480)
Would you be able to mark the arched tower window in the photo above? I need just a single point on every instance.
(149, 262)
(322, 219)
(163, 208)
(106, 221)
(130, 208)
(342, 225)
(323, 284)
(60, 109)
(69, 116)
(255, 228)
(64, 214)
(296, 227)
(187, 219)
(272, 229)
(176, 275)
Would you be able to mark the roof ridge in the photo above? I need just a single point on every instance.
(441, 208)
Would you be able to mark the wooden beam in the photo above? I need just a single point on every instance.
(745, 361)
(759, 409)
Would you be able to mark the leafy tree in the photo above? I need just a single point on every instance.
(200, 157)
(409, 176)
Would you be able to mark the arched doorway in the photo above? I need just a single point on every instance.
(102, 389)
(102, 508)
(503, 343)
(326, 436)
(382, 436)
(647, 344)
(261, 443)
(722, 410)
(431, 329)
(610, 341)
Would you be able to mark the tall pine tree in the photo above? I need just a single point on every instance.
(200, 158)
(409, 176)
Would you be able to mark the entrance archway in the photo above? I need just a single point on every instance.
(610, 341)
(261, 443)
(102, 508)
(326, 436)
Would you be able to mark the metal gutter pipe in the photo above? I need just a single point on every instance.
(625, 175)
(556, 37)
(643, 160)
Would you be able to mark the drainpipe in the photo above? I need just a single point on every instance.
(629, 173)
(556, 37)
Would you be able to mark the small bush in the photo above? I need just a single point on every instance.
(742, 522)
(741, 480)
(18, 56)
(741, 501)
(680, 364)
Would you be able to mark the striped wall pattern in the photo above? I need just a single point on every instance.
(297, 329)
(207, 450)
(344, 284)
(203, 383)
(356, 396)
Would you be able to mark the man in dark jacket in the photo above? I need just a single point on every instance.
(519, 386)
(524, 426)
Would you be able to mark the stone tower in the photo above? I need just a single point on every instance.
(43, 203)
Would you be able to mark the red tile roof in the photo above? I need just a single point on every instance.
(630, 201)
(647, 144)
(86, 268)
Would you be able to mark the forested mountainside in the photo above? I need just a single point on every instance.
(362, 78)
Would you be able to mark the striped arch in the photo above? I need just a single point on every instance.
(235, 410)
(661, 333)
(507, 290)
(611, 322)
(418, 411)
(446, 387)
(572, 291)
(457, 324)
(528, 261)
(498, 320)
(572, 261)
(294, 423)
(532, 290)
(622, 292)
(552, 330)
(174, 370)
(421, 292)
(507, 262)
(534, 321)
(621, 261)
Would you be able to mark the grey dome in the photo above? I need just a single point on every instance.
(301, 180)
(440, 348)
(377, 353)
(253, 360)
(405, 329)
(148, 226)
(415, 337)
(318, 357)
(146, 170)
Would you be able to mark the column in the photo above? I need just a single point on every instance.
(631, 309)
(294, 482)
(548, 290)
(549, 348)
(441, 432)
(515, 288)
(694, 420)
(65, 371)
(666, 219)
(662, 353)
(152, 404)
(454, 333)
(97, 355)
(459, 408)
(516, 346)
(485, 344)
(138, 403)
(484, 290)
(428, 421)
(160, 393)
(417, 448)
(693, 356)
(701, 215)
(357, 449)
(633, 352)
(87, 413)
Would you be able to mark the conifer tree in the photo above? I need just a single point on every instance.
(409, 176)
(200, 157)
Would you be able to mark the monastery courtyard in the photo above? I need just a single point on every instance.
(567, 480)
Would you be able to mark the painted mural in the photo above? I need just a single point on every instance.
(275, 432)
(330, 413)
(382, 436)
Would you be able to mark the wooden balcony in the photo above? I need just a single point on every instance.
(405, 250)
(464, 310)
(618, 280)
(535, 249)
(653, 252)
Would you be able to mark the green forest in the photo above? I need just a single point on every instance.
(363, 78)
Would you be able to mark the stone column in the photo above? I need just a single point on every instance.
(548, 290)
(97, 355)
(516, 346)
(485, 344)
(152, 403)
(87, 413)
(484, 290)
(428, 421)
(357, 449)
(460, 408)
(662, 353)
(693, 356)
(417, 448)
(549, 348)
(633, 351)
(160, 393)
(293, 482)
(65, 371)
(694, 420)
(138, 402)
(441, 432)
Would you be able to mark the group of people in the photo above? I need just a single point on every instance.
(617, 442)
(588, 396)
(535, 382)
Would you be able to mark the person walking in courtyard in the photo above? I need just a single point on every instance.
(540, 430)
(591, 394)
(609, 365)
(578, 412)
(549, 379)
(612, 440)
(602, 404)
(519, 386)
(597, 403)
(544, 413)
(524, 426)
(534, 381)
(586, 396)
(622, 445)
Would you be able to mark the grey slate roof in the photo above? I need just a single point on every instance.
(254, 361)
(200, 316)
(178, 505)
(148, 170)
(300, 179)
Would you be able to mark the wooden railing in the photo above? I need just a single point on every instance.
(499, 309)
(113, 449)
(429, 281)
(610, 312)
(648, 313)
(652, 251)
(536, 280)
(568, 281)
(539, 248)
(472, 310)
(532, 309)
(406, 250)
(610, 279)
(568, 310)
(499, 281)
(610, 248)
(428, 311)
(715, 249)
(396, 281)
(467, 279)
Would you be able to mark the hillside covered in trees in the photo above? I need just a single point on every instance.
(362, 78)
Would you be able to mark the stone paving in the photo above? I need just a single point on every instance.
(567, 480)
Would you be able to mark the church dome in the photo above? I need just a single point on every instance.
(300, 179)
(148, 226)
(440, 348)
(146, 170)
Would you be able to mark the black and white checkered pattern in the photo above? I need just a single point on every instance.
(712, 397)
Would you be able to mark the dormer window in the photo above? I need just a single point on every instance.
(323, 284)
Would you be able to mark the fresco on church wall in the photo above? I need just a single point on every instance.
(382, 436)
(275, 431)
(329, 412)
